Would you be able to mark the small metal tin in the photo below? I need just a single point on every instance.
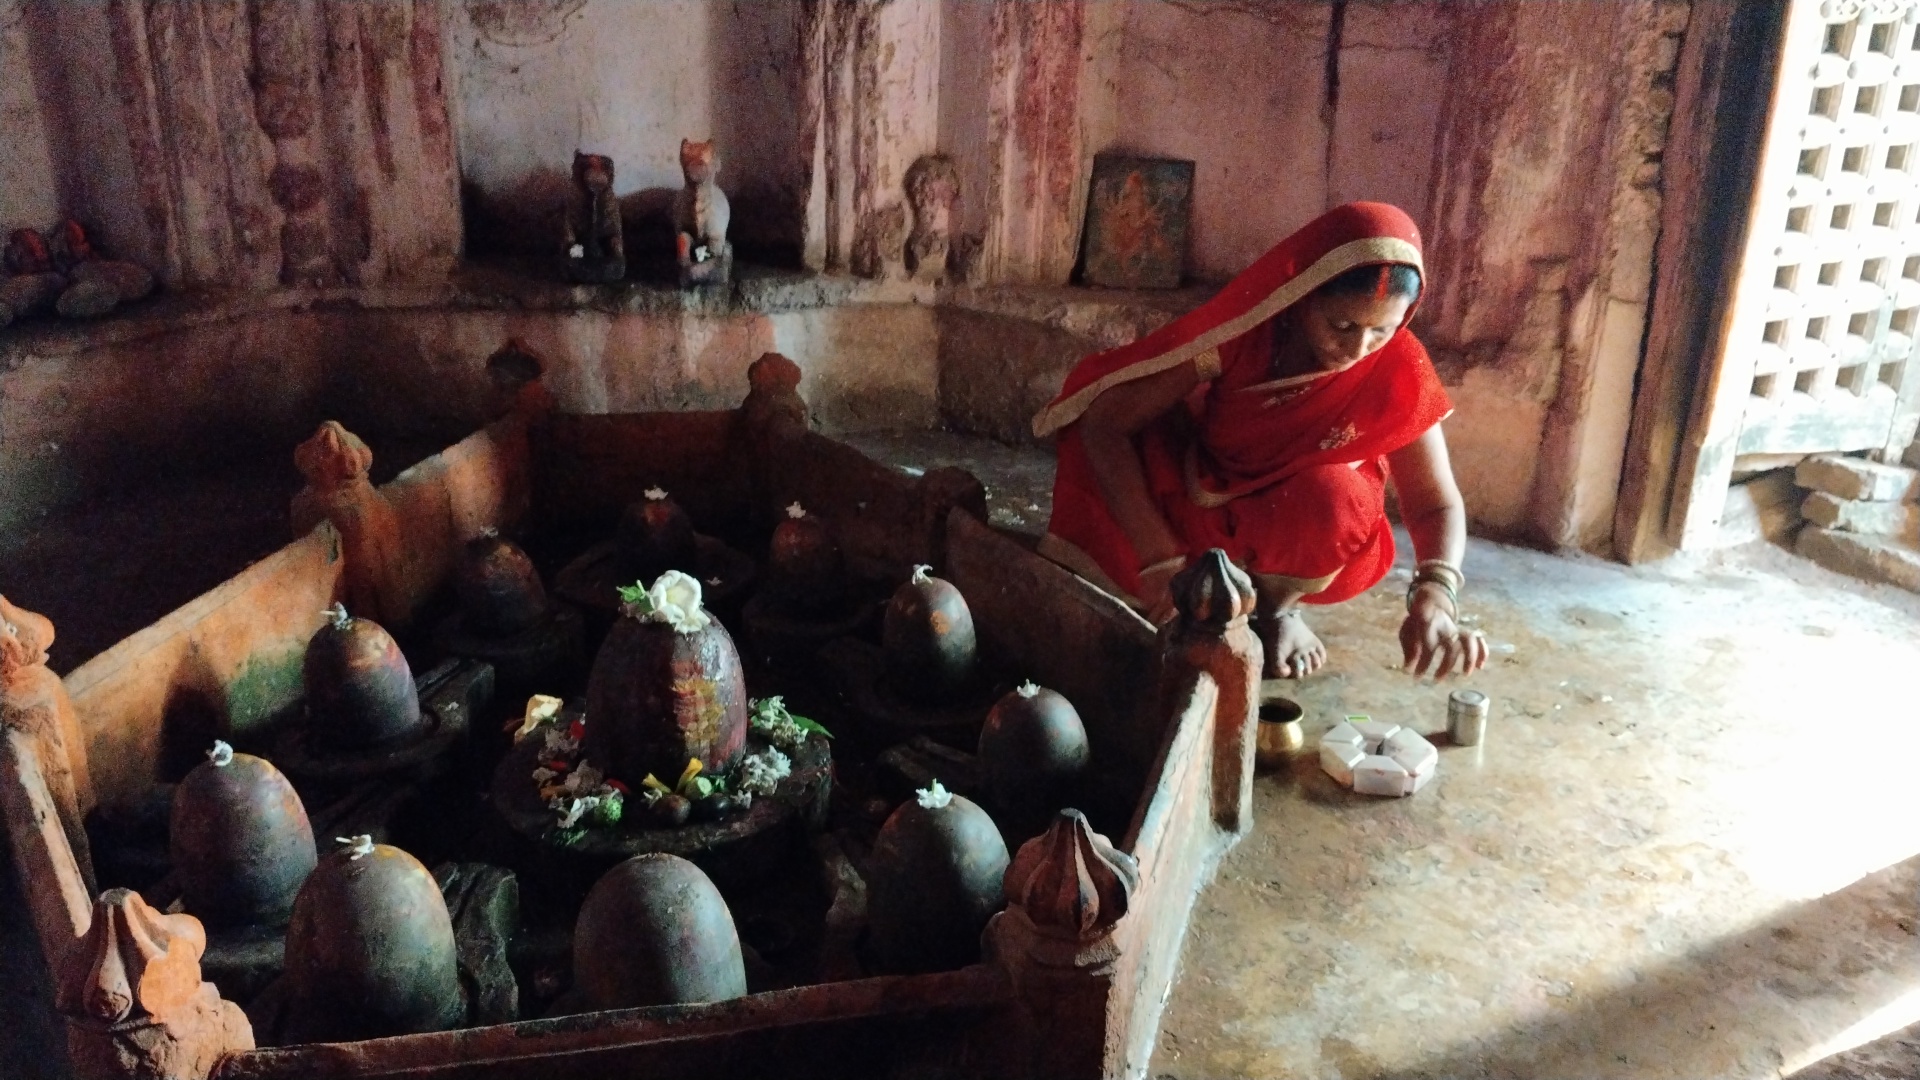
(1467, 717)
(1280, 735)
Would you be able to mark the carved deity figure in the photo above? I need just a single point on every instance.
(34, 700)
(375, 578)
(135, 1002)
(933, 190)
(700, 218)
(595, 248)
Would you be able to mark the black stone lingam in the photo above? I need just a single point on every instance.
(1033, 750)
(655, 931)
(240, 841)
(933, 881)
(370, 951)
(656, 535)
(506, 618)
(806, 601)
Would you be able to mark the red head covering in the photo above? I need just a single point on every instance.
(1356, 234)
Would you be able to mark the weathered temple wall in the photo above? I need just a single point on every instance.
(253, 143)
(28, 190)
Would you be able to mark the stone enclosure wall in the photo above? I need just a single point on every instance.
(257, 144)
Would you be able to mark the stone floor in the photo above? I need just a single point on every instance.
(1689, 848)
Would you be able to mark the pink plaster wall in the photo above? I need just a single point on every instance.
(1242, 89)
(28, 194)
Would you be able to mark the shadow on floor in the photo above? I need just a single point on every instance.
(1860, 944)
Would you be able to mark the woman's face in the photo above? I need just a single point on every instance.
(1343, 329)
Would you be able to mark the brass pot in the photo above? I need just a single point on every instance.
(1280, 736)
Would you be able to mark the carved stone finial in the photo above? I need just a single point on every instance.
(773, 392)
(34, 699)
(137, 1005)
(1070, 881)
(773, 373)
(333, 457)
(1213, 592)
(376, 579)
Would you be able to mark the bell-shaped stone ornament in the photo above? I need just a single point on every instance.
(666, 687)
(370, 951)
(654, 536)
(655, 931)
(934, 880)
(360, 691)
(929, 640)
(499, 590)
(1032, 749)
(240, 841)
(805, 570)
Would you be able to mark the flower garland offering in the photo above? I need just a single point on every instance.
(673, 599)
(761, 773)
(772, 721)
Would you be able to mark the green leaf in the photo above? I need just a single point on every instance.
(812, 726)
(607, 812)
(702, 787)
(636, 594)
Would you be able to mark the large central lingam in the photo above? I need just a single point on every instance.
(666, 688)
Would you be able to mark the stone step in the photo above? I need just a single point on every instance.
(1858, 478)
(1869, 558)
(1900, 519)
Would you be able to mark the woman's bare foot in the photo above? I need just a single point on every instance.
(1293, 649)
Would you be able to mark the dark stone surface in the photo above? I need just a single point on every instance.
(485, 904)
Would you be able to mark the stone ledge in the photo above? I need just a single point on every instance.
(1857, 478)
(1869, 558)
(1871, 518)
(1107, 317)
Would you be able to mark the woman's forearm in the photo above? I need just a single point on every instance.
(1123, 483)
(1439, 532)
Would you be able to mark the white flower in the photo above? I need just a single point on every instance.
(655, 494)
(543, 774)
(1028, 689)
(774, 723)
(701, 254)
(560, 741)
(586, 780)
(761, 773)
(713, 582)
(357, 846)
(221, 755)
(577, 251)
(933, 797)
(796, 511)
(572, 810)
(675, 599)
(540, 710)
(922, 574)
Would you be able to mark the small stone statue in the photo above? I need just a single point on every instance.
(375, 578)
(933, 190)
(700, 218)
(67, 275)
(595, 250)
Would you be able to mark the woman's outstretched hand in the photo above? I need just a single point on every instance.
(1156, 591)
(1430, 639)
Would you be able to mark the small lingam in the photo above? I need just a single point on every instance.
(370, 951)
(805, 602)
(934, 879)
(595, 248)
(655, 535)
(700, 219)
(929, 639)
(360, 691)
(240, 841)
(1033, 750)
(506, 618)
(655, 931)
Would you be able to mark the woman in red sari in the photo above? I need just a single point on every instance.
(1267, 422)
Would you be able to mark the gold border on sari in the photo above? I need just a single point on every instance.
(1371, 250)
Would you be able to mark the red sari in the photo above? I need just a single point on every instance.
(1288, 476)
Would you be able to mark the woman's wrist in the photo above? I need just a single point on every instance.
(1434, 589)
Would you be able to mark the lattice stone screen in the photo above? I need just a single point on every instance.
(1829, 302)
